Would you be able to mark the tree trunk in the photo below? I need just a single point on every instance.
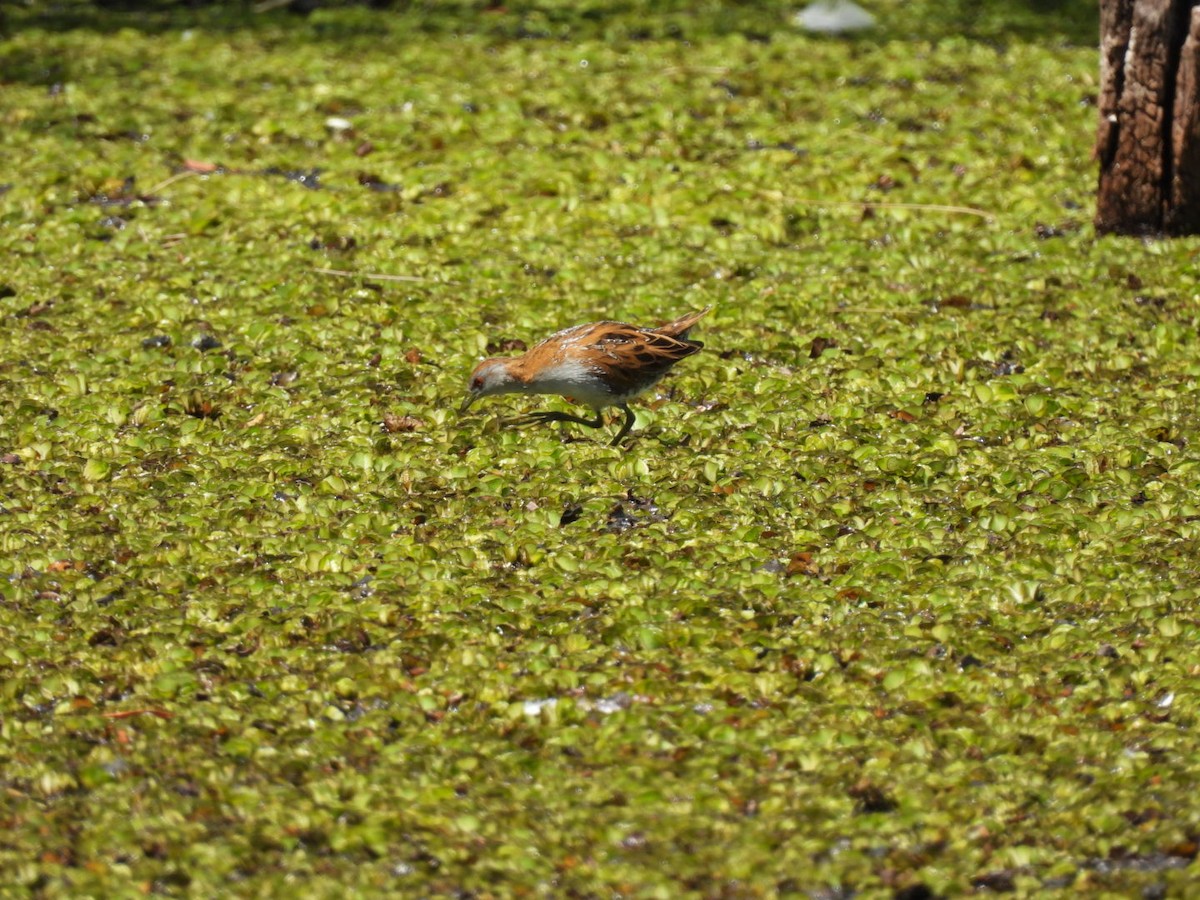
(1148, 142)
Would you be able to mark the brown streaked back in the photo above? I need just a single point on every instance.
(632, 359)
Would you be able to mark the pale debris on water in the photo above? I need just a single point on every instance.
(535, 707)
(834, 17)
(606, 706)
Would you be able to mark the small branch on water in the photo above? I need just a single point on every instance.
(884, 204)
(178, 176)
(922, 207)
(376, 276)
(130, 713)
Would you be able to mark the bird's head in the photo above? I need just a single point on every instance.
(492, 376)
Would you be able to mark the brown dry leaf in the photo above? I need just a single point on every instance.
(200, 407)
(393, 423)
(801, 564)
(902, 415)
(199, 167)
(1185, 850)
(819, 345)
(412, 356)
(871, 798)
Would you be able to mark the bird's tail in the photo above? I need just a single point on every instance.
(680, 327)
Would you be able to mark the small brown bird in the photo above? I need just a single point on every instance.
(602, 364)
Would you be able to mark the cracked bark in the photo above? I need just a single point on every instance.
(1148, 140)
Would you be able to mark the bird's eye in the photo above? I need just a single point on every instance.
(476, 383)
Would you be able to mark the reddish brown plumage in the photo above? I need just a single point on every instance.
(600, 364)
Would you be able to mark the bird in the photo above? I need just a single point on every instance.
(600, 364)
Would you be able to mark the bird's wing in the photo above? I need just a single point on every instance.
(631, 359)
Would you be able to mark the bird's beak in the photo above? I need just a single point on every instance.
(470, 398)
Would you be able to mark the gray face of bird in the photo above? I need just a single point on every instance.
(490, 377)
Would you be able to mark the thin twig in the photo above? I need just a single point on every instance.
(376, 276)
(178, 176)
(714, 70)
(883, 204)
(130, 713)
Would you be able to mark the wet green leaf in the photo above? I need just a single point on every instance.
(891, 590)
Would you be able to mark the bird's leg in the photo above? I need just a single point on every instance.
(538, 417)
(629, 420)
